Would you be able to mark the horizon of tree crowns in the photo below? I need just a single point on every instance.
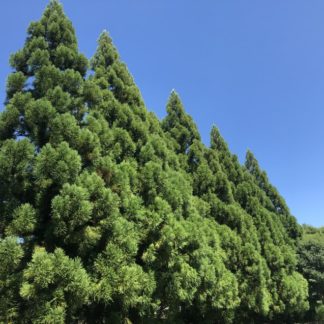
(108, 215)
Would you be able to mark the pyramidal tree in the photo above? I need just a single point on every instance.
(108, 215)
(159, 203)
(39, 282)
(109, 69)
(179, 125)
(47, 79)
(277, 202)
(90, 203)
(111, 91)
(254, 233)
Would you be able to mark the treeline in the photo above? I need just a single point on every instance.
(108, 215)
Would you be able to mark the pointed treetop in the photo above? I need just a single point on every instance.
(48, 68)
(106, 53)
(263, 182)
(52, 39)
(179, 124)
(107, 64)
(217, 142)
(174, 104)
(57, 28)
(251, 163)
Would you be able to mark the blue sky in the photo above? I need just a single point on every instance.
(253, 68)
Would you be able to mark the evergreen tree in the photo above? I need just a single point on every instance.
(108, 215)
(179, 125)
(222, 183)
(47, 83)
(278, 204)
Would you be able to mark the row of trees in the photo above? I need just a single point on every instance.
(108, 215)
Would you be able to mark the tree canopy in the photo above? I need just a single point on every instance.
(109, 215)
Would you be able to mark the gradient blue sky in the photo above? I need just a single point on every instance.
(254, 68)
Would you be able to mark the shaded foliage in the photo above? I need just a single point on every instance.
(311, 265)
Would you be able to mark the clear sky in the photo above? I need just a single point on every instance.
(253, 68)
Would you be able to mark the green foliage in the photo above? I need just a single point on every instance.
(179, 125)
(108, 215)
(11, 254)
(24, 221)
(56, 166)
(16, 163)
(311, 265)
(107, 66)
(319, 313)
(54, 287)
(278, 205)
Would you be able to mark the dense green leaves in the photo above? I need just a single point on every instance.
(11, 254)
(179, 125)
(54, 287)
(311, 265)
(108, 215)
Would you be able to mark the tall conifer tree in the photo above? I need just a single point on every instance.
(109, 216)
